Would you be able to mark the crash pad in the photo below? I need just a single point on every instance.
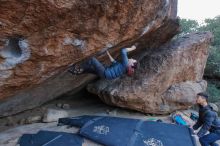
(76, 121)
(51, 138)
(114, 131)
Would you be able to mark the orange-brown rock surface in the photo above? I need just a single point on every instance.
(167, 79)
(39, 39)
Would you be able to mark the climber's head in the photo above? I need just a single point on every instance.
(132, 65)
(202, 99)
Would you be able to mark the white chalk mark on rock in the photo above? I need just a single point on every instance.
(79, 43)
(12, 57)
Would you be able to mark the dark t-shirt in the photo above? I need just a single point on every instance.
(208, 120)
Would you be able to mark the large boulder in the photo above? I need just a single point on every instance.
(167, 79)
(41, 38)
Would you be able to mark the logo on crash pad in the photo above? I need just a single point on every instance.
(102, 129)
(152, 142)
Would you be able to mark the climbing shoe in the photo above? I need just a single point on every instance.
(75, 70)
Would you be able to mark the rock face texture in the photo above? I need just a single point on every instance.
(41, 38)
(167, 79)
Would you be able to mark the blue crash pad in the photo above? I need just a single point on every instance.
(112, 131)
(162, 134)
(76, 121)
(49, 138)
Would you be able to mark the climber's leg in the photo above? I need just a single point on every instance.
(94, 66)
(91, 66)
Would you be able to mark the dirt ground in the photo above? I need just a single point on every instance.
(11, 128)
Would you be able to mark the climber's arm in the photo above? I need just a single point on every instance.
(110, 57)
(124, 53)
(132, 48)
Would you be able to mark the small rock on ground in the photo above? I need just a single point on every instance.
(52, 115)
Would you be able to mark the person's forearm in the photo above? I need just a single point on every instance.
(110, 57)
(197, 125)
(124, 56)
(203, 131)
(131, 48)
(206, 126)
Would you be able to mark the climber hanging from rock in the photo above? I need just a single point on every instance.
(115, 70)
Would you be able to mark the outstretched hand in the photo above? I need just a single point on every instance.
(132, 48)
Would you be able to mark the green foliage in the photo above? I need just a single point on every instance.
(213, 64)
(212, 25)
(188, 26)
(214, 92)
